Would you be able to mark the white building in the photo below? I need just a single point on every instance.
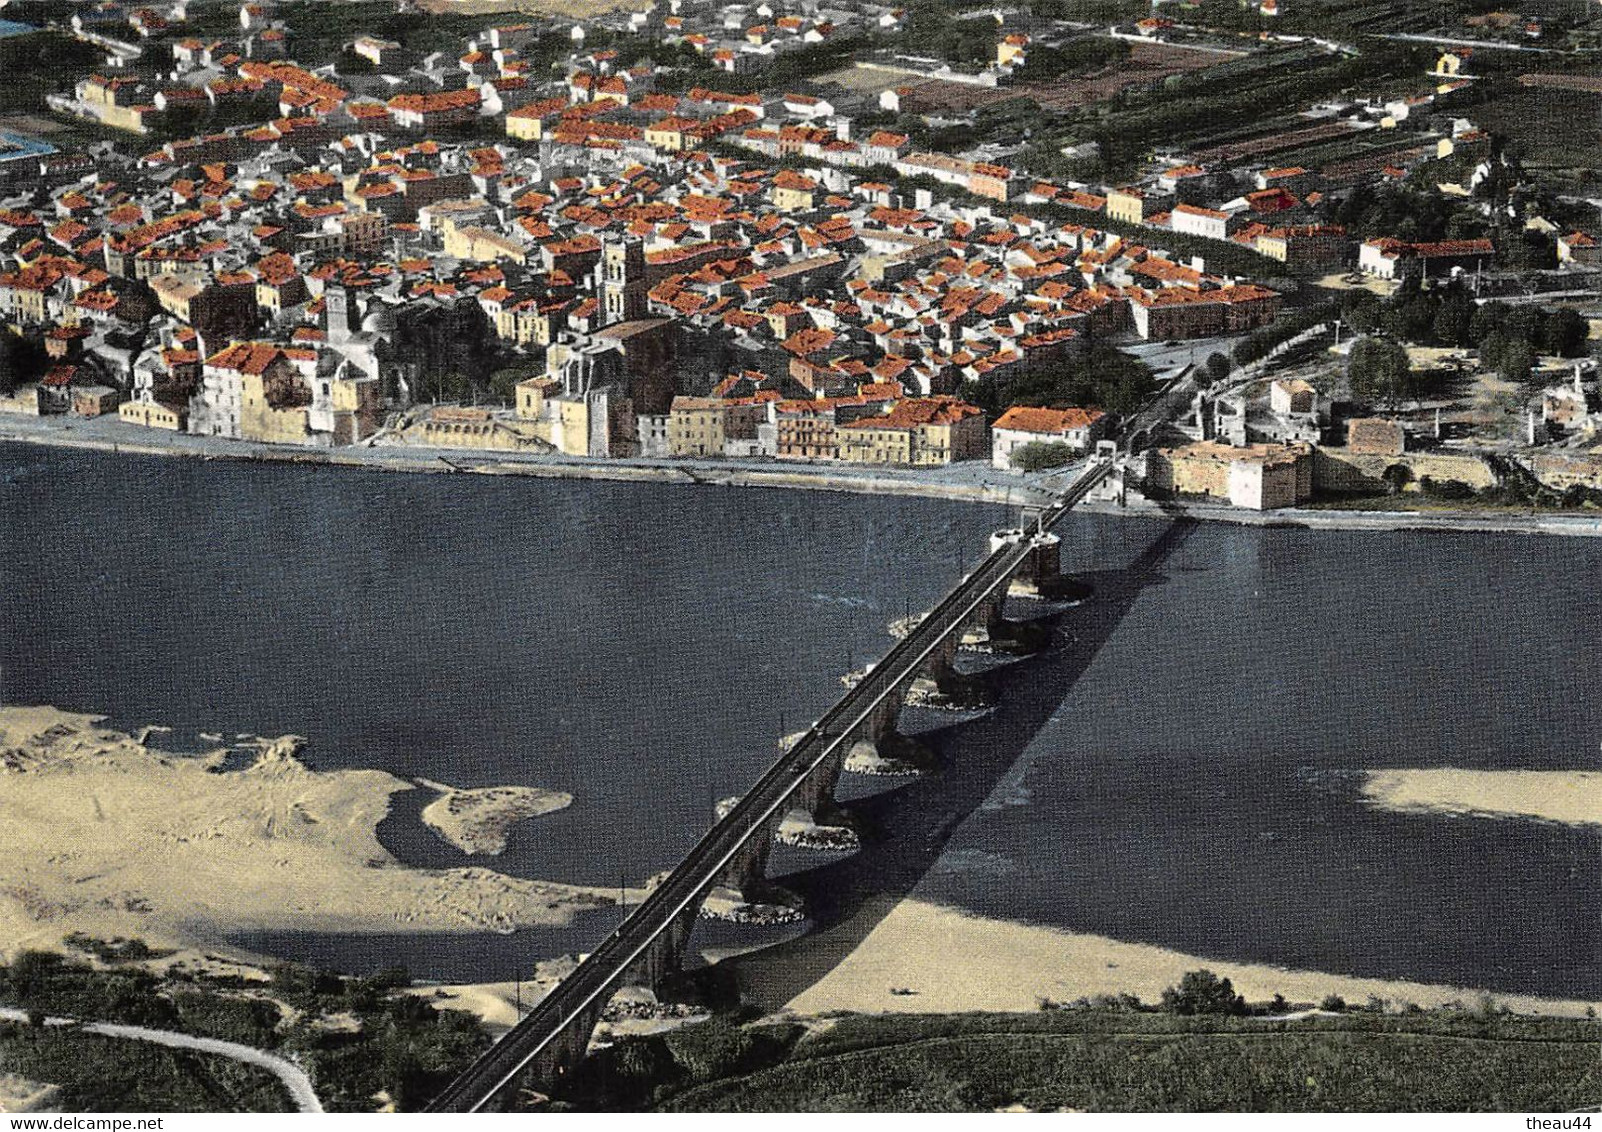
(1079, 429)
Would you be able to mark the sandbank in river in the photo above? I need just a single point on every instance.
(1572, 797)
(108, 837)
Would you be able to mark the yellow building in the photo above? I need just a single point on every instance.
(869, 441)
(669, 133)
(521, 323)
(1012, 49)
(175, 292)
(481, 245)
(920, 431)
(461, 427)
(529, 123)
(273, 409)
(793, 192)
(1128, 205)
(532, 393)
(696, 426)
(356, 407)
(153, 414)
(571, 434)
(24, 401)
(1259, 477)
(525, 124)
(116, 102)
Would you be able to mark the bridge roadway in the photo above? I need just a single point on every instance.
(589, 986)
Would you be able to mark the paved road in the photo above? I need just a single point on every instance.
(593, 981)
(293, 1078)
(1473, 44)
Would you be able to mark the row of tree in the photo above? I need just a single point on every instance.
(1099, 375)
(21, 360)
(1448, 316)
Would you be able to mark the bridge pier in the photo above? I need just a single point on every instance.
(664, 956)
(729, 864)
(877, 748)
(938, 684)
(814, 820)
(989, 631)
(1040, 574)
(742, 893)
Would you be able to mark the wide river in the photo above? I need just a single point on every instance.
(1183, 769)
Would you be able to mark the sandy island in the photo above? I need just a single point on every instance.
(480, 820)
(106, 837)
(952, 961)
(1573, 797)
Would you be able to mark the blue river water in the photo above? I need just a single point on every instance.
(1183, 769)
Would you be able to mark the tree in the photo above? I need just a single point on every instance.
(351, 63)
(1563, 334)
(1333, 1003)
(1098, 375)
(1202, 992)
(1398, 476)
(1410, 319)
(1517, 363)
(1362, 310)
(10, 376)
(1218, 367)
(1492, 347)
(1523, 322)
(1039, 455)
(1487, 319)
(1379, 370)
(503, 382)
(21, 360)
(1452, 320)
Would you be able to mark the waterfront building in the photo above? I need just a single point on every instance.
(1078, 429)
(1258, 477)
(919, 431)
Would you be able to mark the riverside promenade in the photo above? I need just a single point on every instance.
(972, 481)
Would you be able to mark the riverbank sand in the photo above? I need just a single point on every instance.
(107, 837)
(951, 962)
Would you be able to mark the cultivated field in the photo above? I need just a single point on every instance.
(1234, 151)
(576, 9)
(1147, 63)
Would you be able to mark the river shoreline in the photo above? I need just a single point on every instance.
(921, 956)
(958, 483)
(113, 839)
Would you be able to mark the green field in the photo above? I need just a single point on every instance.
(1551, 130)
(1106, 1060)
